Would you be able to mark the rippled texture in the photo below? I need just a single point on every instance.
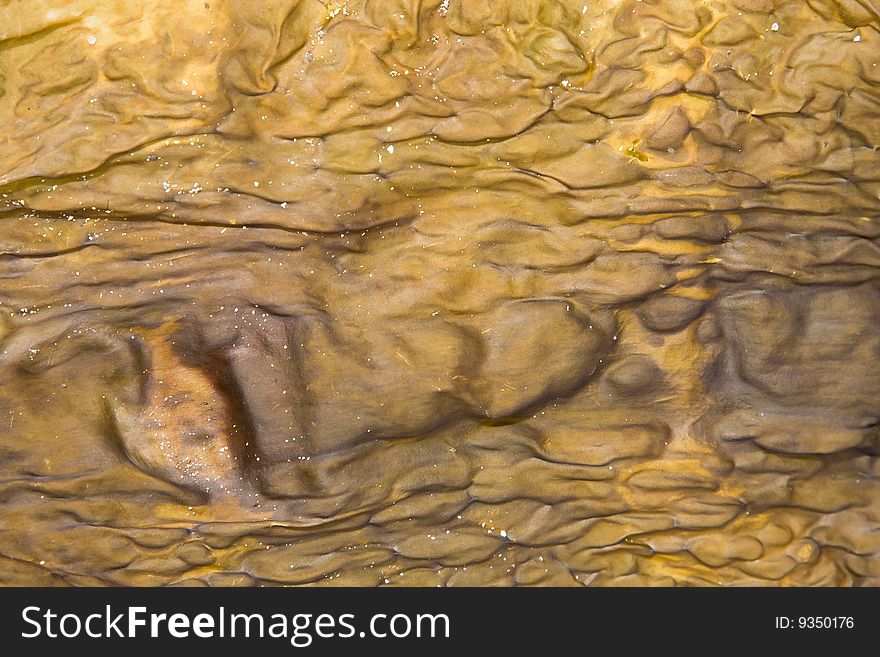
(439, 293)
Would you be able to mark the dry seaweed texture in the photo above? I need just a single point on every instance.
(413, 292)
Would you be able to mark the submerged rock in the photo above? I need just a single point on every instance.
(439, 293)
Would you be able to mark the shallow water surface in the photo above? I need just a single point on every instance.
(416, 292)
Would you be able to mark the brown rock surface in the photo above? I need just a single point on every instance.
(457, 293)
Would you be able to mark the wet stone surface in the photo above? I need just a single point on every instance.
(431, 293)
